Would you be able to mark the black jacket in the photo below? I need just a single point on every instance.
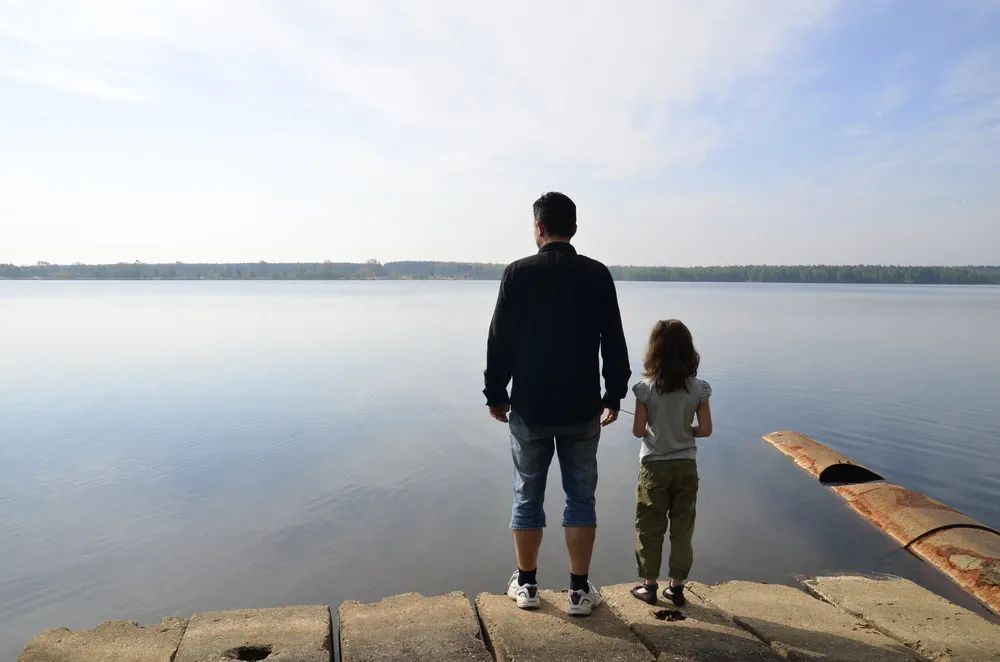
(554, 311)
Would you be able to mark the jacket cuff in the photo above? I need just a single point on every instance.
(614, 404)
(496, 398)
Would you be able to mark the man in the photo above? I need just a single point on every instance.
(555, 310)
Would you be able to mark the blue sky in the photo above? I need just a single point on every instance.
(688, 133)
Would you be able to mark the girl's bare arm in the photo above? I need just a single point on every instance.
(704, 427)
(639, 422)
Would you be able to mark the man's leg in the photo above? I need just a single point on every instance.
(578, 466)
(531, 457)
(526, 545)
(580, 544)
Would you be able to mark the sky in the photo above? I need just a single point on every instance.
(694, 133)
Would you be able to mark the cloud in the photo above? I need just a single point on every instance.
(567, 83)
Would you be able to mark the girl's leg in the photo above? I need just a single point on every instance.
(683, 499)
(651, 507)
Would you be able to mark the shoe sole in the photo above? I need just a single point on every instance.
(526, 603)
(576, 610)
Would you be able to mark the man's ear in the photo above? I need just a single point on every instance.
(539, 228)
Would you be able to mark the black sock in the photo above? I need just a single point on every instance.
(579, 582)
(650, 587)
(526, 577)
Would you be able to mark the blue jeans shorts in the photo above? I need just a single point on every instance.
(532, 447)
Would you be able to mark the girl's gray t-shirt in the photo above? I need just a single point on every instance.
(669, 419)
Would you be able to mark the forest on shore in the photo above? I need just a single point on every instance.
(415, 270)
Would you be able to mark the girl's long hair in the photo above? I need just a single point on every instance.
(670, 357)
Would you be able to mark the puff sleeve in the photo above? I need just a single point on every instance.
(641, 390)
(706, 392)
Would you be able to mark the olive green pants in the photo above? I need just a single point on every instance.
(666, 496)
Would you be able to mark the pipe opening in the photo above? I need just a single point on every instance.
(847, 474)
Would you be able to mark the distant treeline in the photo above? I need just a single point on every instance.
(871, 274)
(372, 270)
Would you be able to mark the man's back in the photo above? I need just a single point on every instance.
(555, 310)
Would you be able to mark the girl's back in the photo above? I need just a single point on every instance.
(670, 416)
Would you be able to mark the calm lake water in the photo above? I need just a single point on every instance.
(172, 447)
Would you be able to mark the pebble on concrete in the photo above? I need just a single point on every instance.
(412, 627)
(799, 626)
(281, 634)
(931, 625)
(695, 632)
(549, 634)
(114, 641)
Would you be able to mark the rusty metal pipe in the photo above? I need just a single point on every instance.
(964, 549)
(826, 464)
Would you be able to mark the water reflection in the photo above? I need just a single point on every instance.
(177, 447)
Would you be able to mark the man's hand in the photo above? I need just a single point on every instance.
(499, 412)
(610, 416)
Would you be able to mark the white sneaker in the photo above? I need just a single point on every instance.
(581, 603)
(525, 595)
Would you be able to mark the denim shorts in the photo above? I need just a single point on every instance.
(532, 447)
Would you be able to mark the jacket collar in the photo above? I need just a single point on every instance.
(558, 246)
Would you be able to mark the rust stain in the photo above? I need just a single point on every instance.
(910, 499)
(851, 492)
(967, 556)
(904, 514)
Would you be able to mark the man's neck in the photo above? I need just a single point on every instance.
(553, 240)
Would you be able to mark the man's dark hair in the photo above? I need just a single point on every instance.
(557, 213)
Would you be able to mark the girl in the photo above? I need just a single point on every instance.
(667, 401)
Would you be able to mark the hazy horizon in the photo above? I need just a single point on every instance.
(505, 262)
(720, 133)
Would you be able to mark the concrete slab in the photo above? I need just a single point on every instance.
(926, 622)
(412, 627)
(697, 631)
(281, 634)
(114, 641)
(549, 634)
(800, 627)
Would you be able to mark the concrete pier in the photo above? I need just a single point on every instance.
(121, 641)
(798, 626)
(412, 627)
(930, 625)
(839, 618)
(549, 634)
(284, 634)
(699, 631)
